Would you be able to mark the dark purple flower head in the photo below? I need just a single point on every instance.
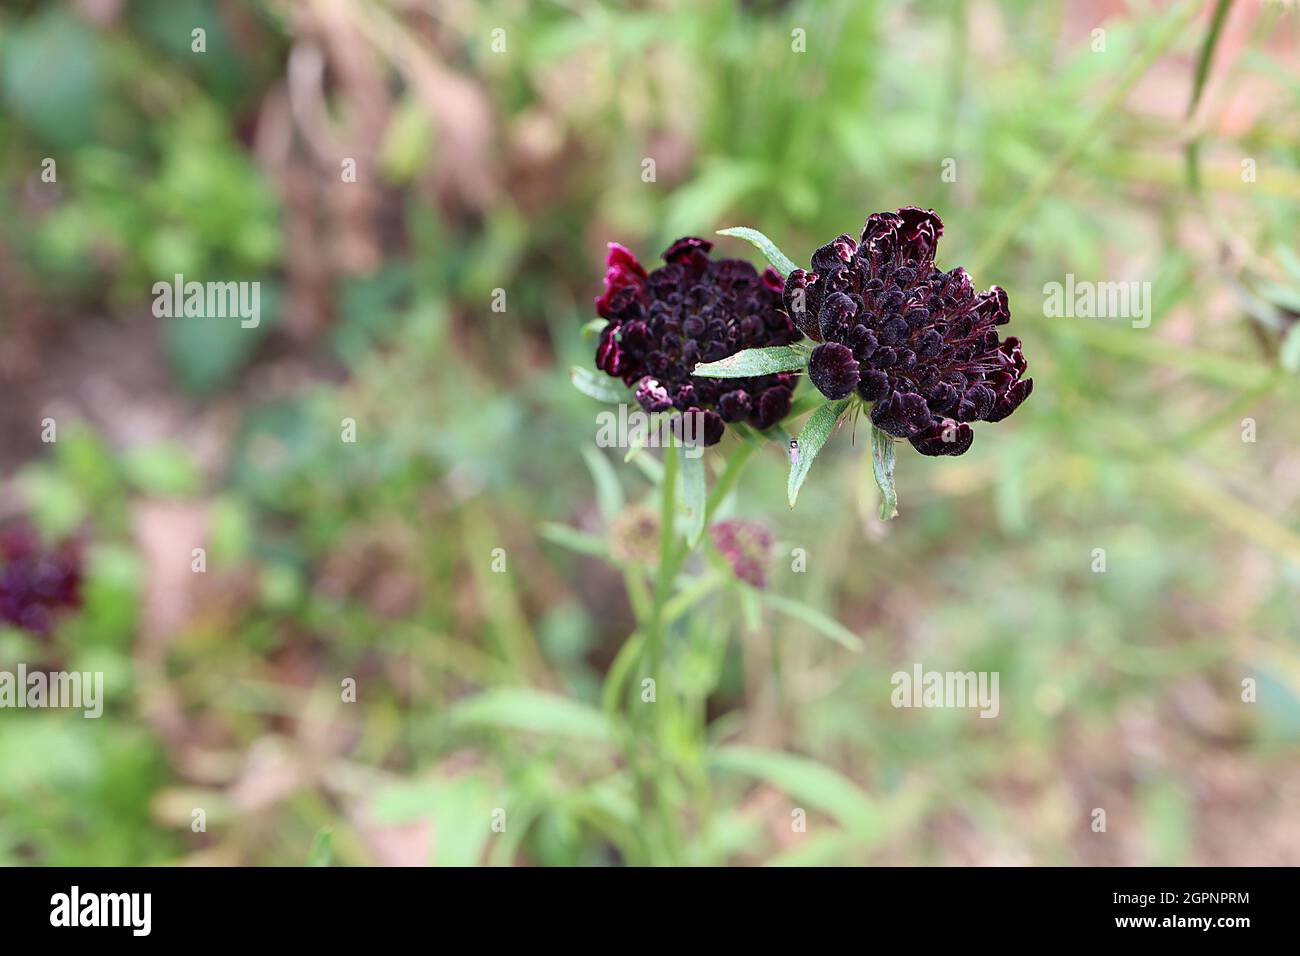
(747, 546)
(36, 582)
(834, 370)
(694, 309)
(920, 343)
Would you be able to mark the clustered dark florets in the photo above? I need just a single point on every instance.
(694, 309)
(36, 582)
(919, 343)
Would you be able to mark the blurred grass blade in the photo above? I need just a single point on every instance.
(598, 386)
(522, 709)
(1197, 487)
(882, 465)
(609, 493)
(780, 261)
(806, 781)
(618, 672)
(691, 594)
(818, 428)
(1085, 135)
(1280, 295)
(824, 849)
(650, 467)
(1290, 262)
(1206, 56)
(693, 492)
(573, 539)
(748, 363)
(1192, 153)
(460, 807)
(818, 620)
(1211, 366)
(322, 848)
(638, 439)
(1289, 355)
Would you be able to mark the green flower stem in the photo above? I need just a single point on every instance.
(653, 782)
(668, 552)
(619, 675)
(638, 594)
(654, 779)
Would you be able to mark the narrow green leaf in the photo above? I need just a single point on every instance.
(1289, 355)
(1290, 262)
(573, 539)
(1266, 313)
(616, 676)
(693, 491)
(518, 708)
(816, 430)
(824, 849)
(461, 807)
(322, 848)
(807, 781)
(818, 620)
(779, 259)
(1192, 153)
(882, 463)
(1206, 56)
(593, 328)
(751, 362)
(609, 493)
(692, 594)
(637, 440)
(600, 387)
(650, 467)
(1210, 365)
(1281, 295)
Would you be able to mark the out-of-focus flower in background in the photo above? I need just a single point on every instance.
(747, 546)
(37, 582)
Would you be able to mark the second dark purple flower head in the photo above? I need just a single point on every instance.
(694, 309)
